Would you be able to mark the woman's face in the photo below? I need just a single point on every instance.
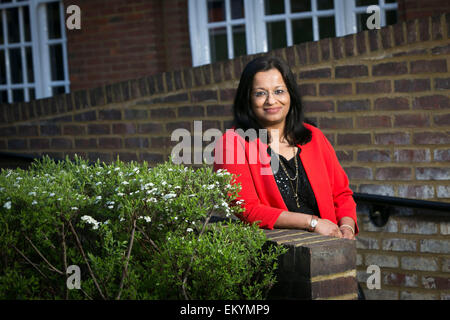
(270, 99)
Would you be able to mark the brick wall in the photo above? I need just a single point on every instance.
(314, 267)
(121, 40)
(413, 9)
(412, 251)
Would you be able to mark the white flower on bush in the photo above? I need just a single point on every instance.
(120, 194)
(34, 202)
(51, 194)
(74, 208)
(125, 182)
(32, 193)
(7, 205)
(91, 221)
(169, 196)
(146, 218)
(189, 230)
(98, 183)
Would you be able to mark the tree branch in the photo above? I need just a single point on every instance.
(80, 247)
(130, 246)
(43, 258)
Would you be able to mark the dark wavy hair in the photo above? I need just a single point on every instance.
(244, 117)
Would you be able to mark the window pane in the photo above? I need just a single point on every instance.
(218, 44)
(325, 4)
(364, 3)
(239, 42)
(276, 34)
(12, 20)
(3, 97)
(2, 40)
(216, 10)
(302, 30)
(53, 20)
(15, 61)
(274, 6)
(18, 95)
(2, 67)
(58, 90)
(237, 9)
(300, 5)
(391, 17)
(56, 62)
(326, 27)
(361, 21)
(26, 20)
(32, 94)
(30, 70)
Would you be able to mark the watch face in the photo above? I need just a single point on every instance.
(314, 223)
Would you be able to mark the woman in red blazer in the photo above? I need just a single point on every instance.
(289, 174)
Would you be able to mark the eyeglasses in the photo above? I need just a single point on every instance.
(263, 94)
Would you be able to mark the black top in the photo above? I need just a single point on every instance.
(306, 197)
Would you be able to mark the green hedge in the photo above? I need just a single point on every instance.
(135, 232)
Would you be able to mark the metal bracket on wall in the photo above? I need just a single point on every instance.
(379, 215)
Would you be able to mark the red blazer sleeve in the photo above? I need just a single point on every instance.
(239, 166)
(344, 203)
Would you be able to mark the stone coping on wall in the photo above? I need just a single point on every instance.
(314, 267)
(309, 53)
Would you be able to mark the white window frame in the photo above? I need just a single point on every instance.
(255, 20)
(39, 44)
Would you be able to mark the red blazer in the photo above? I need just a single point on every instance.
(260, 194)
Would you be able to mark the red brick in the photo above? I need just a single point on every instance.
(411, 120)
(429, 66)
(412, 155)
(442, 83)
(136, 142)
(335, 89)
(86, 143)
(308, 89)
(392, 138)
(381, 86)
(163, 113)
(353, 71)
(335, 123)
(431, 138)
(75, 130)
(353, 138)
(110, 143)
(227, 94)
(415, 85)
(391, 104)
(373, 121)
(432, 102)
(432, 173)
(373, 156)
(389, 69)
(135, 114)
(442, 155)
(123, 128)
(150, 127)
(353, 105)
(442, 120)
(39, 144)
(393, 173)
(203, 95)
(191, 111)
(98, 128)
(61, 143)
(317, 73)
(358, 173)
(219, 110)
(318, 106)
(109, 114)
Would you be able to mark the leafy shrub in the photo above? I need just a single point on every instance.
(135, 232)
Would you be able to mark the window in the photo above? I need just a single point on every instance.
(33, 52)
(224, 29)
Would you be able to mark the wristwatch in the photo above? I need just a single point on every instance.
(313, 223)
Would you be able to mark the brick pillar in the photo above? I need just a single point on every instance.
(315, 266)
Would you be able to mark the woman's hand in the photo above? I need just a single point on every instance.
(347, 233)
(328, 228)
